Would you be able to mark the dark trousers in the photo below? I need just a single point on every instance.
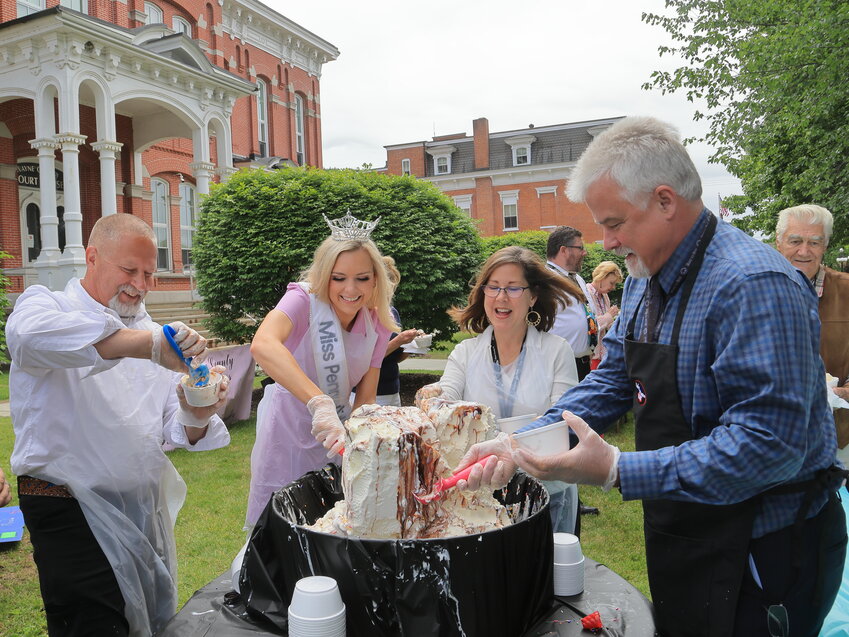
(583, 365)
(78, 587)
(807, 599)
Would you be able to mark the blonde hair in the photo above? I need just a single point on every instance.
(392, 271)
(319, 271)
(552, 290)
(603, 269)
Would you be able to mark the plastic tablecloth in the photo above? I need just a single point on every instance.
(216, 611)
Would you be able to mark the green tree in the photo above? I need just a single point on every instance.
(772, 75)
(259, 230)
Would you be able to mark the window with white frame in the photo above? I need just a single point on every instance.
(76, 5)
(441, 159)
(300, 146)
(182, 25)
(510, 209)
(262, 116)
(26, 7)
(521, 146)
(464, 203)
(405, 166)
(188, 222)
(154, 13)
(161, 223)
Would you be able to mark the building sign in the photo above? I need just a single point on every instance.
(28, 177)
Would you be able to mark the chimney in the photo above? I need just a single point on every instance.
(480, 129)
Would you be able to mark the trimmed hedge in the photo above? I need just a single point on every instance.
(258, 231)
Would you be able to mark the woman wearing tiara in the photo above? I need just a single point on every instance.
(514, 365)
(327, 334)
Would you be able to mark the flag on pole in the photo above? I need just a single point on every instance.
(724, 212)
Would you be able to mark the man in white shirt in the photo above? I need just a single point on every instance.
(565, 252)
(92, 396)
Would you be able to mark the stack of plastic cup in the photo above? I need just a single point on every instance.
(568, 565)
(316, 609)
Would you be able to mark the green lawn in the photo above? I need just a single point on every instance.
(4, 386)
(209, 528)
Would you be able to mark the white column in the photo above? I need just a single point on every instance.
(108, 197)
(202, 171)
(224, 173)
(74, 253)
(46, 148)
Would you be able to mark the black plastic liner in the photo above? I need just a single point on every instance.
(493, 583)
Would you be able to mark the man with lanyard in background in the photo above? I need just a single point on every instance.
(735, 440)
(576, 322)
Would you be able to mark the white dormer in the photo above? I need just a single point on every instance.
(441, 159)
(521, 145)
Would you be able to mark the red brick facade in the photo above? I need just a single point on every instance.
(169, 159)
(484, 174)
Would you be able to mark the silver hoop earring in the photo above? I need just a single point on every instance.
(533, 317)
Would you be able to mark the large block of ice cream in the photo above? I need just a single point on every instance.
(392, 453)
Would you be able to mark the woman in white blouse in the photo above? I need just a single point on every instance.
(514, 365)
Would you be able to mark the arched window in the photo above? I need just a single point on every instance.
(262, 116)
(154, 14)
(181, 25)
(300, 131)
(162, 223)
(188, 222)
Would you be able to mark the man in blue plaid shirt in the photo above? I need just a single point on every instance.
(716, 350)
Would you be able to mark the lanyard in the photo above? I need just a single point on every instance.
(505, 402)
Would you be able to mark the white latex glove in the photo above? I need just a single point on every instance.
(199, 416)
(497, 471)
(326, 426)
(190, 342)
(592, 461)
(428, 391)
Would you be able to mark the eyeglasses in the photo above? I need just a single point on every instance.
(575, 247)
(778, 624)
(513, 291)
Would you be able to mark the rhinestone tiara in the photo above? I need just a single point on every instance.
(349, 227)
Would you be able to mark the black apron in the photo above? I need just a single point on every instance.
(696, 554)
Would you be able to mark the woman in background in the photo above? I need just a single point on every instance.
(514, 365)
(389, 383)
(606, 277)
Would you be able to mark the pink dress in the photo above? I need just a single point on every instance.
(602, 304)
(285, 449)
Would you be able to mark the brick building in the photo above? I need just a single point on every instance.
(135, 106)
(508, 181)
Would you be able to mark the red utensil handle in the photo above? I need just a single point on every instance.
(464, 474)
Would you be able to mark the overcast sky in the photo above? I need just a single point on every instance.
(409, 70)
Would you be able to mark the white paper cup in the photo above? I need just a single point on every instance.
(333, 626)
(201, 396)
(569, 579)
(546, 441)
(316, 598)
(424, 341)
(510, 425)
(567, 549)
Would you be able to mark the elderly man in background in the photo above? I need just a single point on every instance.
(735, 441)
(94, 394)
(576, 322)
(802, 235)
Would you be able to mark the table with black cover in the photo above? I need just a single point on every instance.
(217, 611)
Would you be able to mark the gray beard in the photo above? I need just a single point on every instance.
(636, 267)
(126, 311)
